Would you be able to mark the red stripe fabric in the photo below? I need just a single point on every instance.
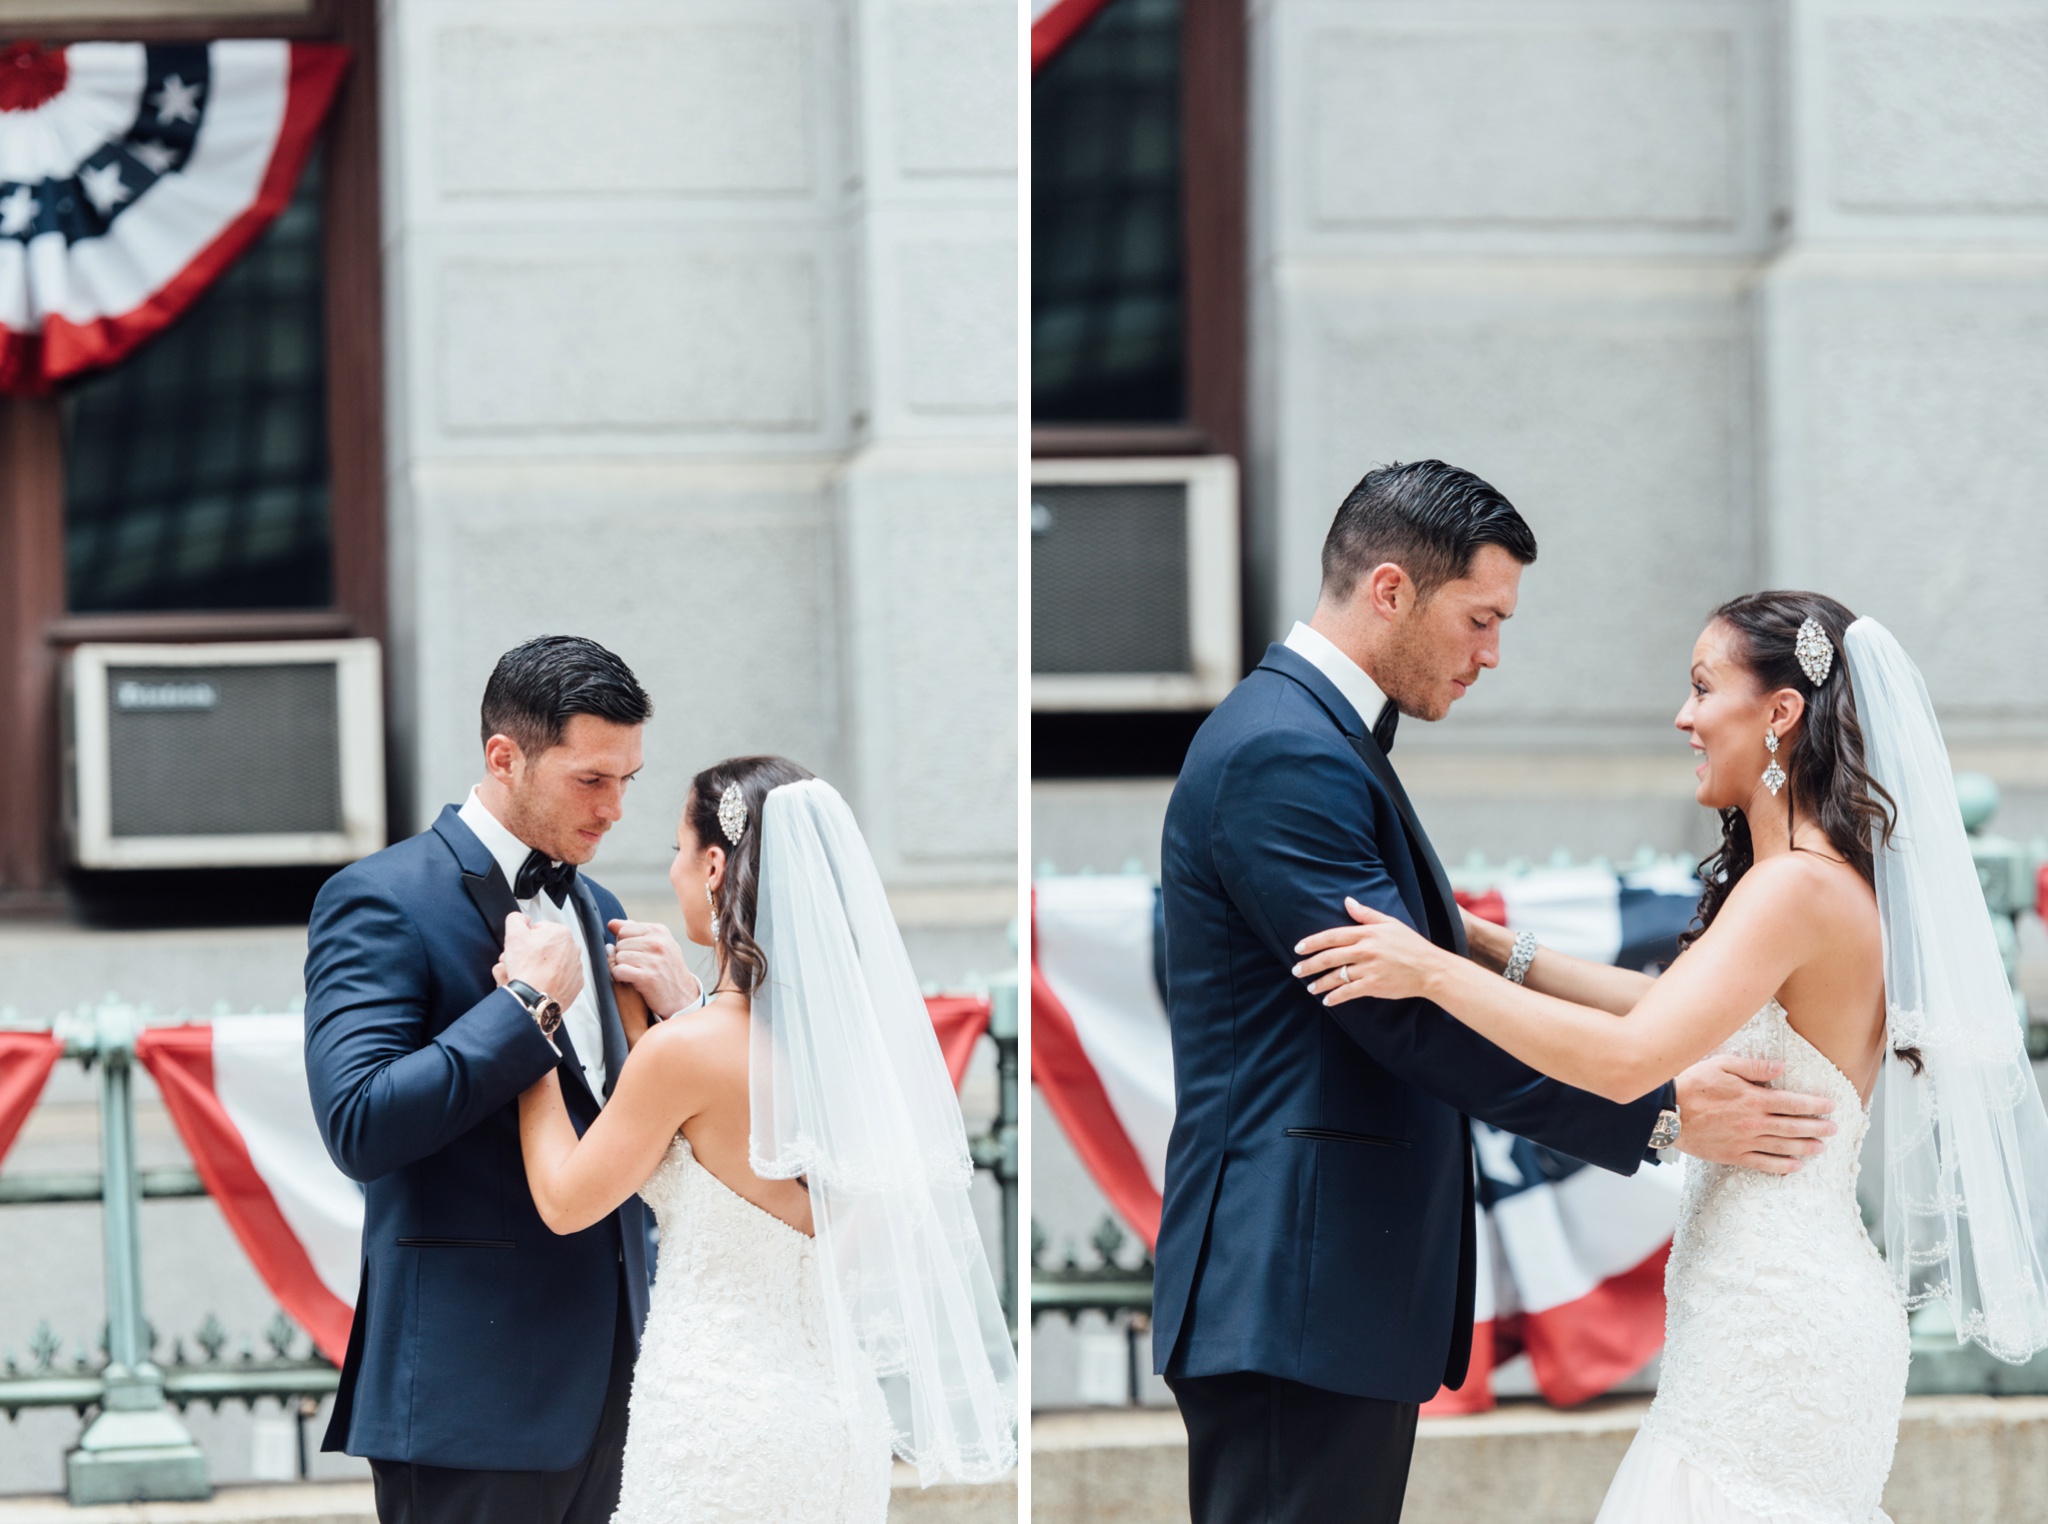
(31, 363)
(180, 1059)
(1061, 1071)
(1490, 906)
(26, 1059)
(1059, 25)
(1476, 1395)
(959, 1021)
(1581, 1349)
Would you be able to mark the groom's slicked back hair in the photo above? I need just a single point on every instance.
(1427, 518)
(536, 689)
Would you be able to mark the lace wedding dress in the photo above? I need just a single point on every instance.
(1785, 1351)
(736, 1416)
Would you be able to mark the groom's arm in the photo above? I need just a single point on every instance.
(1295, 831)
(385, 1093)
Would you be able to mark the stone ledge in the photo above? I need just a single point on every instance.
(352, 1503)
(1961, 1460)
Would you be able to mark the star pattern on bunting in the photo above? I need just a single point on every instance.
(177, 101)
(103, 186)
(18, 210)
(155, 157)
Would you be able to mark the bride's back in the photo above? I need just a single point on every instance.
(1834, 998)
(711, 1042)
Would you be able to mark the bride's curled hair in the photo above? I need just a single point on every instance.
(1822, 757)
(739, 955)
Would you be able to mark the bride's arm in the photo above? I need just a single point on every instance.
(1703, 998)
(1600, 985)
(576, 1182)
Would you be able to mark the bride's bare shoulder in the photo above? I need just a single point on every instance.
(714, 1035)
(1806, 890)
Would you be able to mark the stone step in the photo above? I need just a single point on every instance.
(351, 1503)
(1961, 1460)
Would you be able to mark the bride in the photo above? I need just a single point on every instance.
(822, 1296)
(1843, 932)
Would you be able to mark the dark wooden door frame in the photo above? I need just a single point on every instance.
(35, 632)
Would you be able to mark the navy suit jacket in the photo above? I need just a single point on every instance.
(481, 1340)
(1318, 1221)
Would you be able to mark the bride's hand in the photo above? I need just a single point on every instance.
(1380, 958)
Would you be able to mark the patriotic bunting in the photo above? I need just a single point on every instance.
(1571, 1263)
(236, 1091)
(26, 1059)
(131, 176)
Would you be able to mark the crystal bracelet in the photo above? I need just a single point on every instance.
(1520, 959)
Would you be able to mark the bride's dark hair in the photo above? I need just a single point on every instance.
(739, 955)
(1822, 757)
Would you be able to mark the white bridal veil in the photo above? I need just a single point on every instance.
(850, 1092)
(1966, 1139)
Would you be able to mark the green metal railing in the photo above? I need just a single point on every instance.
(134, 1447)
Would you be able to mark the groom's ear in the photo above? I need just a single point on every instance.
(1388, 590)
(502, 758)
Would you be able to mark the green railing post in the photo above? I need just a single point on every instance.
(136, 1450)
(1002, 1026)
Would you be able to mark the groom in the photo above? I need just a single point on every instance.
(1317, 1253)
(490, 1360)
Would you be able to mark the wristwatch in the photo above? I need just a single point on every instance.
(547, 1011)
(1665, 1133)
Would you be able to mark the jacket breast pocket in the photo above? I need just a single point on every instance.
(1338, 1135)
(456, 1243)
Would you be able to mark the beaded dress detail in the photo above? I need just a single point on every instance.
(1785, 1353)
(735, 1415)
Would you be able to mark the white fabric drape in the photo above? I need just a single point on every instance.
(1966, 1140)
(850, 1092)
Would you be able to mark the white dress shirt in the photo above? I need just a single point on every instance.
(580, 1019)
(1358, 690)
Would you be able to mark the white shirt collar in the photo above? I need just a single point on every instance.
(1320, 652)
(509, 851)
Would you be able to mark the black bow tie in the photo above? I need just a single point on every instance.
(539, 872)
(1383, 727)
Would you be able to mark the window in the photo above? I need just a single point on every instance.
(195, 474)
(226, 481)
(1106, 271)
(1138, 230)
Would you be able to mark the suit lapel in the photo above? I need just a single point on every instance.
(608, 1021)
(484, 881)
(1453, 925)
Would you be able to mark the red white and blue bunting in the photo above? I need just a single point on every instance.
(235, 1088)
(131, 176)
(1572, 1257)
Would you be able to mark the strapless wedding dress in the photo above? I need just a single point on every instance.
(736, 1417)
(1785, 1343)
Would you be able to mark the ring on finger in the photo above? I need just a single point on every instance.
(1346, 970)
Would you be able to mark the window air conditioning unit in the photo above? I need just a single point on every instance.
(210, 756)
(1134, 584)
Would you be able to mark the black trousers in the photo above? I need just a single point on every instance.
(1263, 1450)
(410, 1493)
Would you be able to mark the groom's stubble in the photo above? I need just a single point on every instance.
(1425, 653)
(565, 799)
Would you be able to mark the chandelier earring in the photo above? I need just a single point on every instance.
(712, 900)
(1774, 775)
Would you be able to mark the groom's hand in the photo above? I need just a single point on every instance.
(648, 957)
(543, 954)
(1730, 1115)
